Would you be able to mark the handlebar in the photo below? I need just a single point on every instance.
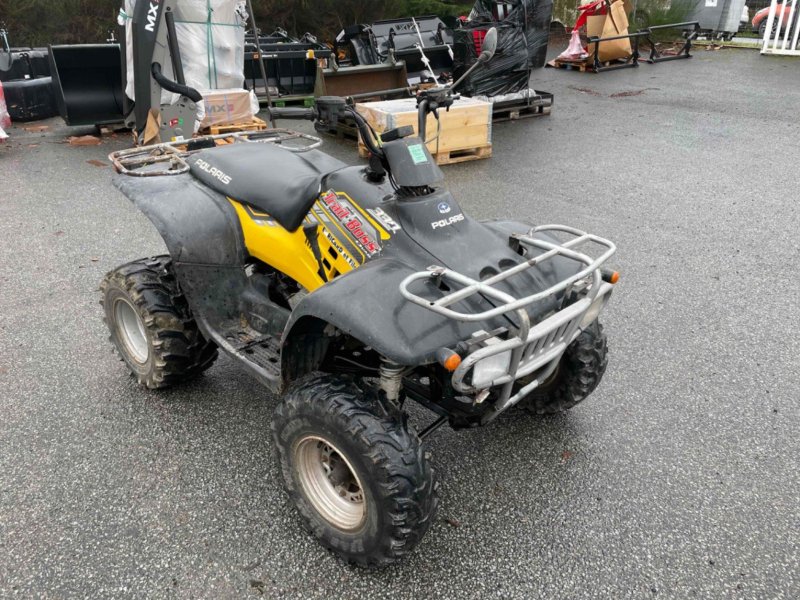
(293, 112)
(330, 112)
(430, 101)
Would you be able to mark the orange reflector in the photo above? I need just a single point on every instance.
(448, 359)
(609, 275)
(451, 364)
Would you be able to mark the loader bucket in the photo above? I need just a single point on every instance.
(438, 56)
(360, 80)
(87, 80)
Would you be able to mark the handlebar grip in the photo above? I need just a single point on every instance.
(293, 112)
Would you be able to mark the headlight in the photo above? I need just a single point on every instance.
(490, 368)
(594, 310)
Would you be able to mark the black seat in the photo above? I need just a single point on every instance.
(280, 183)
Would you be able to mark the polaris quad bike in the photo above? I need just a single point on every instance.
(349, 290)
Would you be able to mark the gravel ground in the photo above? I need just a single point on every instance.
(678, 478)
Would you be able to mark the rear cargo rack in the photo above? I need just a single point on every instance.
(533, 349)
(169, 158)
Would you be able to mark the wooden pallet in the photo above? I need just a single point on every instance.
(456, 156)
(255, 125)
(306, 101)
(583, 66)
(519, 112)
(524, 109)
(344, 130)
(448, 157)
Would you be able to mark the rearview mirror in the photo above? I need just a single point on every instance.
(489, 46)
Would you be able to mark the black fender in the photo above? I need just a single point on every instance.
(367, 305)
(203, 235)
(198, 225)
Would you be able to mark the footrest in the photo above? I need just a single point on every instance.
(264, 352)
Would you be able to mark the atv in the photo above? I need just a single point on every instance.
(350, 290)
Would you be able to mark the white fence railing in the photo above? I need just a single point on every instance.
(781, 33)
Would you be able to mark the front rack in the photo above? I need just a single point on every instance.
(169, 158)
(533, 349)
(486, 287)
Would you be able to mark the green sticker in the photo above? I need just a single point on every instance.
(417, 153)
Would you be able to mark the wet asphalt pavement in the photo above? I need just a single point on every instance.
(678, 478)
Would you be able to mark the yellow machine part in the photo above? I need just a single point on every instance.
(290, 251)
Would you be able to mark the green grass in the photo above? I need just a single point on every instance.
(652, 14)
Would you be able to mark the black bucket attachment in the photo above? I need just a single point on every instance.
(25, 74)
(402, 36)
(23, 63)
(361, 80)
(30, 99)
(291, 64)
(87, 79)
(411, 40)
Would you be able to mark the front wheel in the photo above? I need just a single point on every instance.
(577, 375)
(357, 473)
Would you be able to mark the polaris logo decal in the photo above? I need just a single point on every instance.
(152, 16)
(447, 222)
(213, 171)
(444, 208)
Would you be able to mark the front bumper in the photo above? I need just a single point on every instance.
(532, 350)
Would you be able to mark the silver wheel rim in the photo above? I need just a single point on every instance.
(330, 483)
(131, 330)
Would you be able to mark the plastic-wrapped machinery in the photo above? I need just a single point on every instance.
(523, 27)
(211, 39)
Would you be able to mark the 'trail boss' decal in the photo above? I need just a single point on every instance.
(357, 227)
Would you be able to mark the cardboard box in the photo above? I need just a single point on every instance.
(609, 25)
(226, 107)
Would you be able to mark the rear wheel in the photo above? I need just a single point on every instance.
(577, 375)
(357, 473)
(151, 325)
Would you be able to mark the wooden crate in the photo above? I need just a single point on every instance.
(466, 129)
